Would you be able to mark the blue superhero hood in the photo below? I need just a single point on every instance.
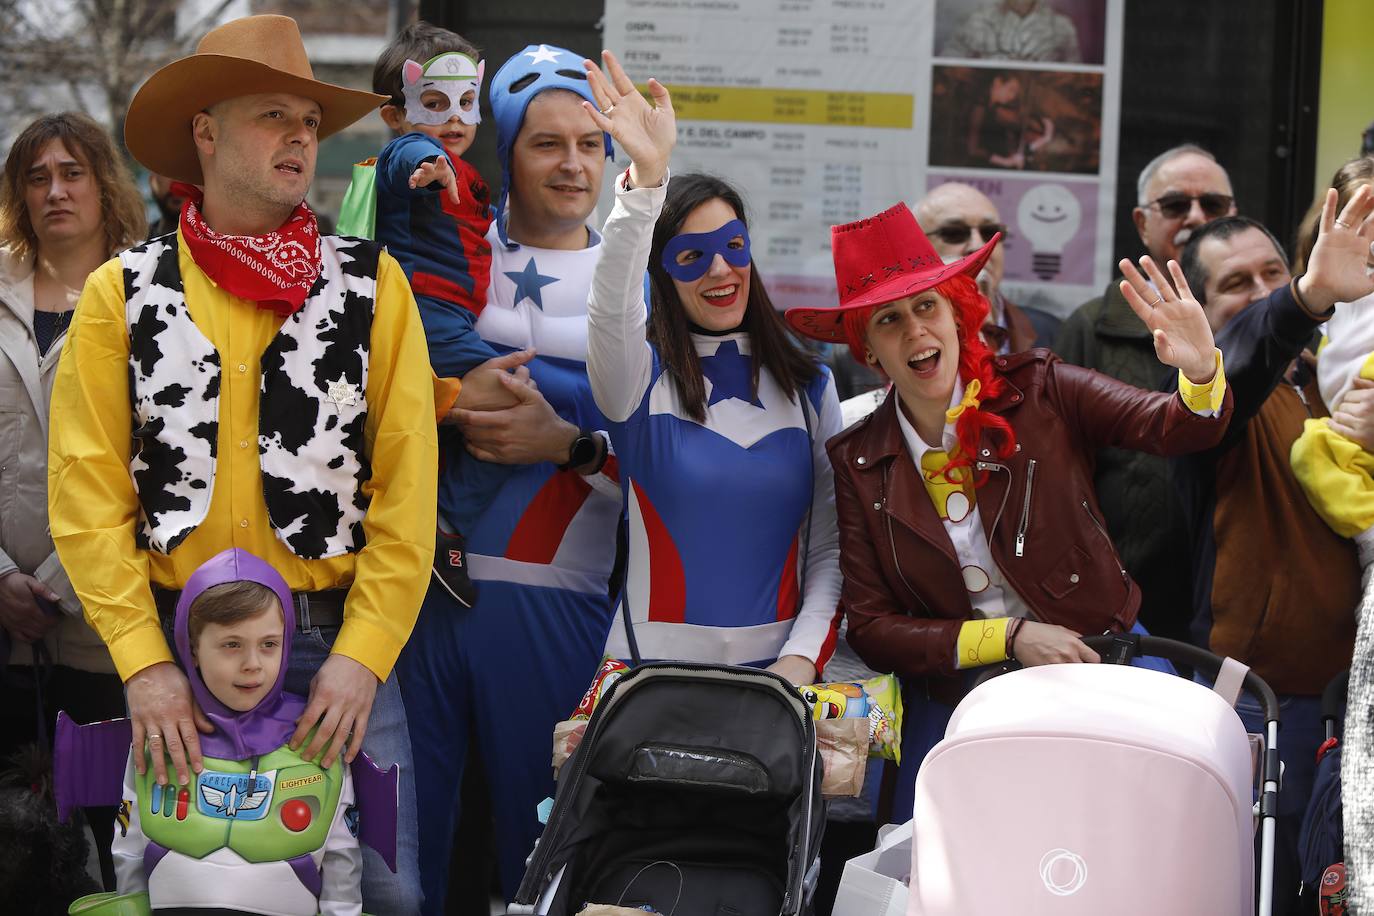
(534, 70)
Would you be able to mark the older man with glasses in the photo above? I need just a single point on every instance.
(1180, 190)
(959, 219)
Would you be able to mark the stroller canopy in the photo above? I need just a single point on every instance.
(1086, 789)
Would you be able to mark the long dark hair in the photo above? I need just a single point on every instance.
(773, 345)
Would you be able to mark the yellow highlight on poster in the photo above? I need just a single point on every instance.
(793, 106)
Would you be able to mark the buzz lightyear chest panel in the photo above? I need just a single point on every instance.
(235, 796)
(280, 809)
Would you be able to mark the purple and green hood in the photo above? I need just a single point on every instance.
(269, 725)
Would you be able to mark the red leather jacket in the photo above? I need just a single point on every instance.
(903, 593)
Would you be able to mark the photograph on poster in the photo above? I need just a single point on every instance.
(1051, 226)
(1049, 31)
(1028, 120)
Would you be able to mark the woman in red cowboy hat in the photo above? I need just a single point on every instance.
(969, 528)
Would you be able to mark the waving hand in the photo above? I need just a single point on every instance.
(1340, 268)
(1183, 338)
(646, 130)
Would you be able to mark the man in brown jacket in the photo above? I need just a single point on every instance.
(1275, 587)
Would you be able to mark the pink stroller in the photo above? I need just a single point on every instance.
(1087, 789)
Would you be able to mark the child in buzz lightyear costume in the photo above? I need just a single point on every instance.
(260, 829)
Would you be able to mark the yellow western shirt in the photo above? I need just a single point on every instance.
(93, 507)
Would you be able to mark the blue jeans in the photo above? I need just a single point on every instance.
(387, 742)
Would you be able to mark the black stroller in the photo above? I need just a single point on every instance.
(696, 791)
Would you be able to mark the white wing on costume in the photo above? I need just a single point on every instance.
(253, 800)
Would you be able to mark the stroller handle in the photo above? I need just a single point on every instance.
(1121, 648)
(1333, 697)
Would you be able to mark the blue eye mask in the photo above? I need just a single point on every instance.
(707, 245)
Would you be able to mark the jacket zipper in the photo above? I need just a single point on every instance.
(1302, 396)
(994, 466)
(1025, 510)
(1102, 531)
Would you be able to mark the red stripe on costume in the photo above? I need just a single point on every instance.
(787, 585)
(667, 583)
(831, 638)
(547, 517)
(437, 287)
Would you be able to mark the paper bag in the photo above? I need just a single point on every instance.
(875, 883)
(843, 744)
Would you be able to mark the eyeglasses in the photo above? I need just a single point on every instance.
(1176, 206)
(958, 233)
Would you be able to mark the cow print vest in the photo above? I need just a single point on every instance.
(311, 412)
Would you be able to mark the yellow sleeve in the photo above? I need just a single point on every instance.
(92, 505)
(392, 571)
(1204, 400)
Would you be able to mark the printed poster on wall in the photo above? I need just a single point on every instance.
(825, 111)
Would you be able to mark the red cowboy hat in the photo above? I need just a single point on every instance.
(881, 259)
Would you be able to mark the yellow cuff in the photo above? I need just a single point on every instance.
(445, 395)
(368, 645)
(139, 648)
(982, 642)
(1204, 399)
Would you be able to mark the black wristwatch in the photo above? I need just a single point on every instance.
(583, 451)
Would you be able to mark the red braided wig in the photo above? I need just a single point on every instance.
(975, 362)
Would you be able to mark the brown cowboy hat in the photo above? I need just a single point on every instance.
(243, 57)
(881, 259)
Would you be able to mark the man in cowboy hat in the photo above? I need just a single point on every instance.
(250, 383)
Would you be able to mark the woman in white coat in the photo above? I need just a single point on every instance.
(67, 204)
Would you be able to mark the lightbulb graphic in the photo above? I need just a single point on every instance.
(1049, 216)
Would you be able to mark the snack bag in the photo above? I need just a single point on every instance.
(879, 699)
(611, 671)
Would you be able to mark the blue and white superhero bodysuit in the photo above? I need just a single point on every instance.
(719, 512)
(504, 672)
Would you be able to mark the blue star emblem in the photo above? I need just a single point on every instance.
(731, 374)
(529, 283)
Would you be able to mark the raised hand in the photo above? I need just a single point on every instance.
(1341, 265)
(1183, 337)
(646, 130)
(438, 170)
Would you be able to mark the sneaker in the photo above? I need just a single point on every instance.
(1334, 899)
(451, 567)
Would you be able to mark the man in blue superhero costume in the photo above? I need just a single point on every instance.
(503, 673)
(260, 829)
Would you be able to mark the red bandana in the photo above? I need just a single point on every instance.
(276, 270)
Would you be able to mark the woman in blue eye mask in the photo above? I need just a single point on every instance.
(718, 418)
